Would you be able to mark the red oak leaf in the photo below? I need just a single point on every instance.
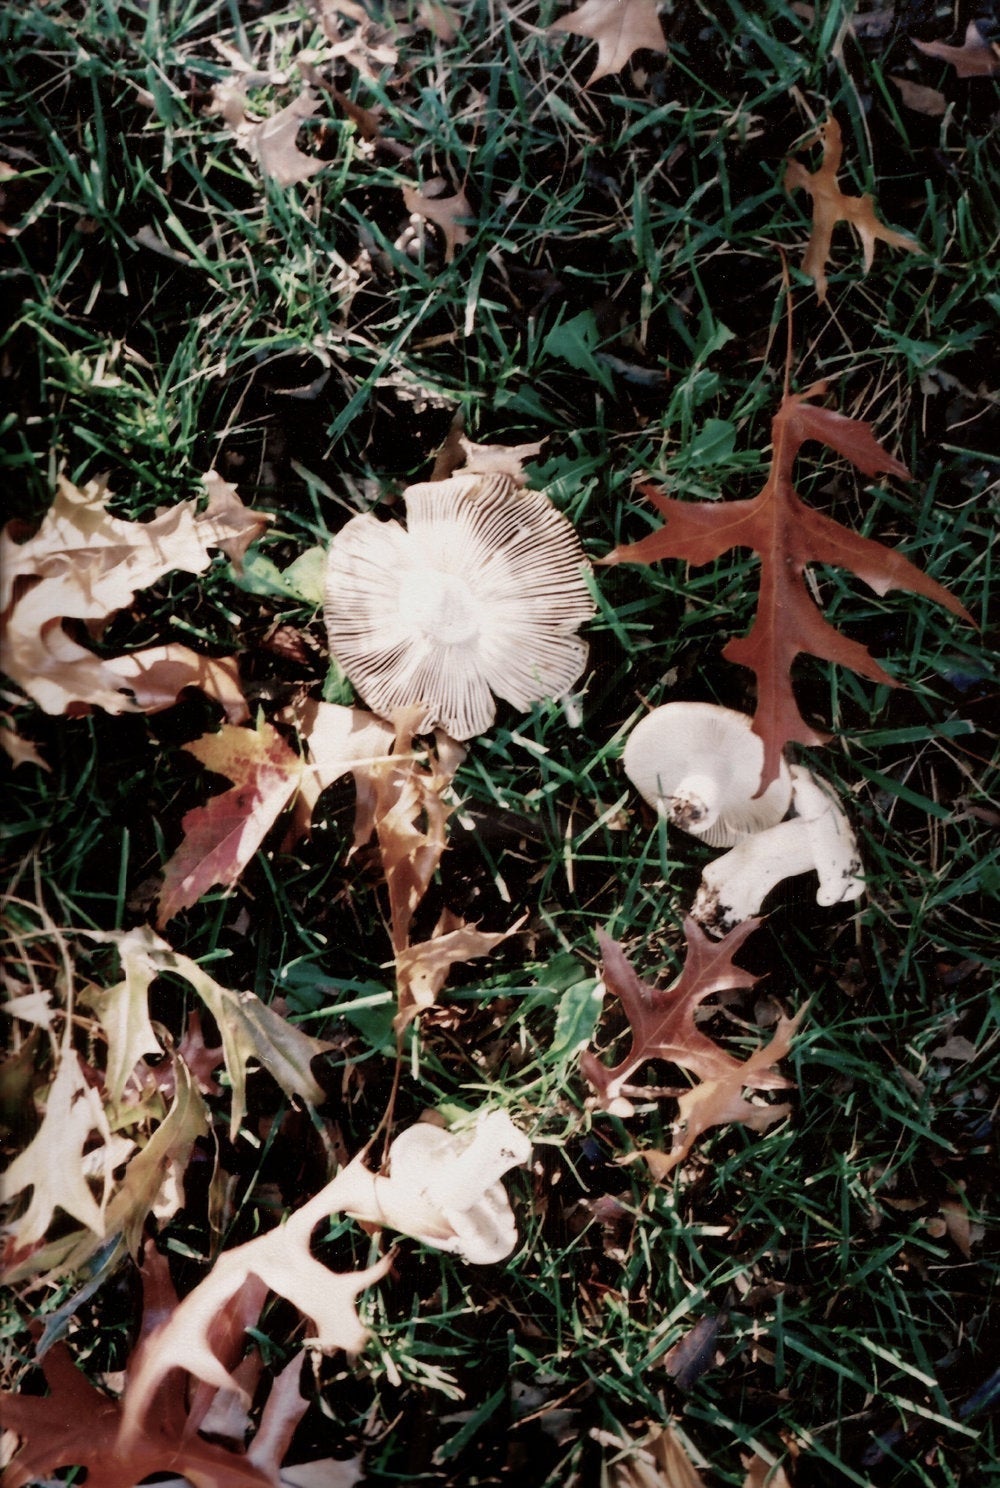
(976, 57)
(788, 536)
(662, 1019)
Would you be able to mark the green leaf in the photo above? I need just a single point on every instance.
(575, 341)
(576, 1019)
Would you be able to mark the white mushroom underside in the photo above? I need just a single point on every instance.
(479, 594)
(700, 765)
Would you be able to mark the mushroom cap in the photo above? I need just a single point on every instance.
(480, 593)
(700, 765)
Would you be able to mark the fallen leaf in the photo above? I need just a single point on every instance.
(720, 1101)
(19, 751)
(694, 1354)
(761, 1474)
(923, 100)
(52, 1165)
(249, 1029)
(270, 142)
(439, 19)
(423, 969)
(460, 454)
(831, 206)
(221, 837)
(448, 213)
(620, 27)
(659, 1460)
(85, 564)
(123, 1012)
(976, 57)
(339, 741)
(788, 535)
(662, 1020)
(227, 522)
(77, 1425)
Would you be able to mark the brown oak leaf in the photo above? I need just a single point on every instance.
(449, 213)
(663, 1019)
(620, 27)
(721, 1101)
(222, 836)
(831, 206)
(976, 57)
(788, 535)
(270, 142)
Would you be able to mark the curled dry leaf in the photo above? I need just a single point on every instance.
(459, 455)
(831, 206)
(449, 213)
(788, 536)
(85, 564)
(19, 751)
(922, 100)
(620, 27)
(976, 57)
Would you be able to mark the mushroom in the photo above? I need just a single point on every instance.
(480, 593)
(818, 837)
(700, 765)
(444, 1187)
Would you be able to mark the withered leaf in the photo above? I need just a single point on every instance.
(449, 213)
(270, 142)
(663, 1019)
(620, 27)
(222, 836)
(85, 564)
(788, 536)
(976, 57)
(831, 206)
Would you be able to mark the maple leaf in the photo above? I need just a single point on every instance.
(831, 206)
(620, 27)
(52, 1165)
(446, 212)
(721, 1101)
(221, 837)
(976, 57)
(788, 535)
(85, 564)
(663, 1019)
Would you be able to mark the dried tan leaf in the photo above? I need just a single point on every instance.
(761, 1474)
(52, 1165)
(19, 751)
(423, 969)
(270, 142)
(227, 523)
(85, 564)
(976, 57)
(831, 206)
(446, 212)
(922, 100)
(620, 27)
(461, 455)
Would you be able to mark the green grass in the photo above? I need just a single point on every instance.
(621, 295)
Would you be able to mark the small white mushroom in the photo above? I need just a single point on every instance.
(480, 594)
(444, 1187)
(819, 838)
(700, 765)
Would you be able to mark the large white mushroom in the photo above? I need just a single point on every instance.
(817, 838)
(700, 765)
(444, 1187)
(480, 594)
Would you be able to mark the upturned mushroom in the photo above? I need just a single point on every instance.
(817, 838)
(700, 765)
(480, 594)
(444, 1187)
